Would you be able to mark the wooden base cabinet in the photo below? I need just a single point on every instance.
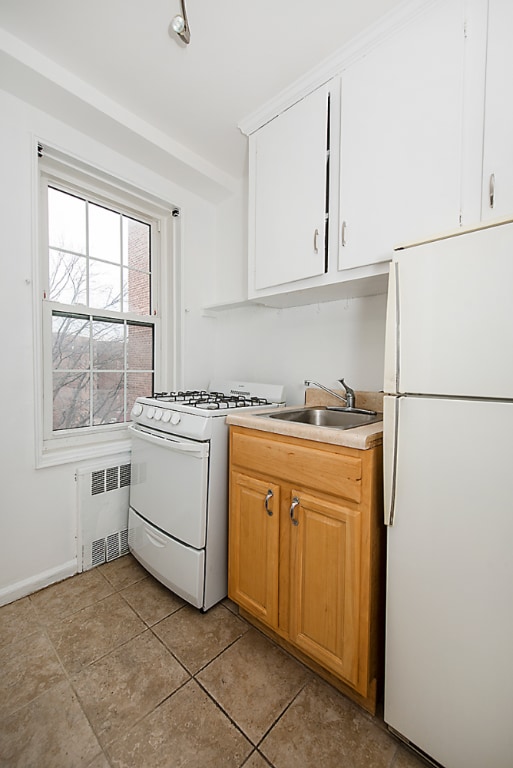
(306, 552)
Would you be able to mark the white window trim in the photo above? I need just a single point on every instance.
(68, 446)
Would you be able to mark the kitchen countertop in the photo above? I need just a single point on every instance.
(361, 438)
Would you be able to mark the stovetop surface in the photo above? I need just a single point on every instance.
(174, 412)
(210, 401)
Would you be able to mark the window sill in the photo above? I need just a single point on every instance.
(59, 451)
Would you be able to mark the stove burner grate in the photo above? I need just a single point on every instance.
(200, 398)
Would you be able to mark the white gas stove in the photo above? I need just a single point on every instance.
(169, 411)
(178, 517)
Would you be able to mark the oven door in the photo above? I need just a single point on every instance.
(169, 484)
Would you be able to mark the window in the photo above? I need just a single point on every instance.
(99, 264)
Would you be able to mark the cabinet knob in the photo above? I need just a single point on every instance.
(295, 503)
(268, 498)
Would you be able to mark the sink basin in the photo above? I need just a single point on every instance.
(326, 417)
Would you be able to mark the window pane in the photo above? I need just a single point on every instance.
(136, 244)
(108, 345)
(104, 234)
(108, 398)
(137, 385)
(70, 400)
(67, 278)
(104, 286)
(70, 342)
(136, 292)
(139, 347)
(66, 221)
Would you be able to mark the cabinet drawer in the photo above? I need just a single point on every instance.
(334, 473)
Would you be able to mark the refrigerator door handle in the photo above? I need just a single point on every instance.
(391, 379)
(391, 407)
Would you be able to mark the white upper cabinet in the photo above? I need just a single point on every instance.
(497, 190)
(289, 166)
(411, 138)
(401, 137)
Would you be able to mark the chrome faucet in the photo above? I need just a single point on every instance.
(348, 398)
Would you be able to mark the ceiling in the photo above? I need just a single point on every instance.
(242, 53)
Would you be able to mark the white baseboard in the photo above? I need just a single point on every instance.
(28, 586)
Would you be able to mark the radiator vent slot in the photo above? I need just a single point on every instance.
(110, 479)
(103, 499)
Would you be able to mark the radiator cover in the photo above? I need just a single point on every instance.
(103, 500)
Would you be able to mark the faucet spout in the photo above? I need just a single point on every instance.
(309, 383)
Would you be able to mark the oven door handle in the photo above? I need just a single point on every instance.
(196, 450)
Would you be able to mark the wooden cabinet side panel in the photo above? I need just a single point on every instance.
(254, 547)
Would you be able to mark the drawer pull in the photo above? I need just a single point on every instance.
(295, 503)
(269, 496)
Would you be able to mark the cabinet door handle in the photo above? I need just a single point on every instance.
(268, 498)
(491, 190)
(295, 503)
(343, 234)
(316, 241)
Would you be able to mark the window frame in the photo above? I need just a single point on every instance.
(75, 177)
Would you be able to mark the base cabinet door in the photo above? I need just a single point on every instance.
(325, 583)
(254, 546)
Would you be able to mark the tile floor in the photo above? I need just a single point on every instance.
(108, 669)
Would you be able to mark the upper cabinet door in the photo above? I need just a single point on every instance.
(290, 177)
(401, 137)
(497, 192)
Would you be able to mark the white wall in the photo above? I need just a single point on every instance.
(322, 342)
(38, 508)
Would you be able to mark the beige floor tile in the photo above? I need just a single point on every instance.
(68, 597)
(151, 600)
(17, 620)
(51, 732)
(257, 761)
(323, 728)
(93, 632)
(120, 689)
(196, 638)
(185, 731)
(28, 668)
(254, 681)
(123, 571)
(99, 762)
(405, 758)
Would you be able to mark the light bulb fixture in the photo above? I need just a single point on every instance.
(180, 25)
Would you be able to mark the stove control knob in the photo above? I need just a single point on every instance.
(158, 414)
(150, 413)
(175, 418)
(137, 409)
(166, 416)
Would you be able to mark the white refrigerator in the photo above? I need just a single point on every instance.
(448, 439)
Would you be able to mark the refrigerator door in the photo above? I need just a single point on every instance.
(454, 300)
(449, 627)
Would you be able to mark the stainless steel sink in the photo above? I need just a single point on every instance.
(328, 417)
